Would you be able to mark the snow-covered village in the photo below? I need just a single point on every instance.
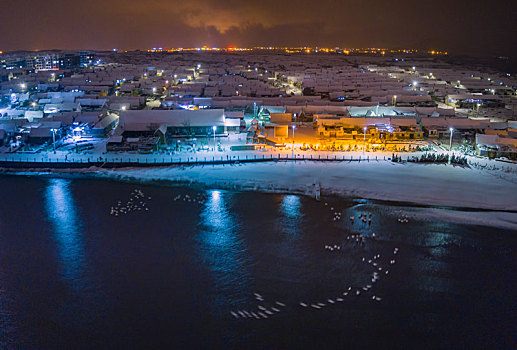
(329, 112)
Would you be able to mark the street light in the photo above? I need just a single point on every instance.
(53, 139)
(292, 151)
(213, 128)
(364, 138)
(451, 129)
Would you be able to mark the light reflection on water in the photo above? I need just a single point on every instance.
(291, 213)
(67, 227)
(221, 247)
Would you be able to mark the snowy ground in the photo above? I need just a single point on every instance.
(441, 185)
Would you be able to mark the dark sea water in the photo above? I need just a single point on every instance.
(72, 275)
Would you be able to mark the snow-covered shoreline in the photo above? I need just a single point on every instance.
(425, 184)
(441, 185)
(464, 189)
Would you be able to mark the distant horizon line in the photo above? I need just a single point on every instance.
(387, 51)
(294, 49)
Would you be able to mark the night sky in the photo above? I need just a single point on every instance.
(465, 27)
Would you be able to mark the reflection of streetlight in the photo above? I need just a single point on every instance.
(415, 84)
(22, 85)
(213, 128)
(394, 100)
(292, 151)
(123, 108)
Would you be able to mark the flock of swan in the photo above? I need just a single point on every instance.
(265, 310)
(136, 202)
(199, 198)
(377, 265)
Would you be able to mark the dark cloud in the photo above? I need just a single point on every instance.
(458, 26)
